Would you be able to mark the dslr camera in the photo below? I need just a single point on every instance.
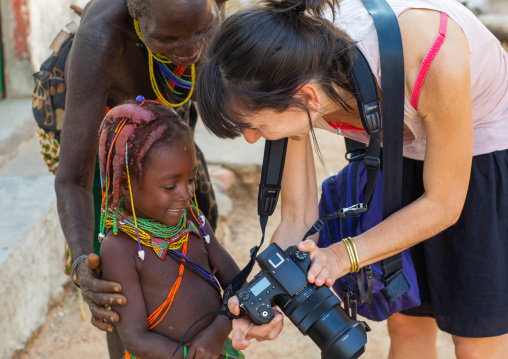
(316, 311)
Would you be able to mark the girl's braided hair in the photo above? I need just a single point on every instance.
(142, 127)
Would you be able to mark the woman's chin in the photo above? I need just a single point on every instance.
(298, 137)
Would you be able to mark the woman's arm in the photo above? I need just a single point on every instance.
(445, 105)
(299, 200)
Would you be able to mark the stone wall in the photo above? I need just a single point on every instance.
(28, 27)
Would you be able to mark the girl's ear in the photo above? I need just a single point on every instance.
(308, 93)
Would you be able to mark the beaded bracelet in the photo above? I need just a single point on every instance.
(74, 266)
(353, 254)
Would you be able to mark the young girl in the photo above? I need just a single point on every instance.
(156, 243)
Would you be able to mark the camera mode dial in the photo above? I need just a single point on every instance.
(301, 256)
(244, 295)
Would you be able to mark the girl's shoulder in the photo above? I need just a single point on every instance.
(113, 246)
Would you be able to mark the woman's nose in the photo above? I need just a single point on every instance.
(251, 135)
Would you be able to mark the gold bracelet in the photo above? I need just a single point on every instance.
(350, 253)
(353, 254)
(356, 253)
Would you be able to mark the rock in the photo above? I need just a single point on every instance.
(225, 176)
(497, 24)
(223, 201)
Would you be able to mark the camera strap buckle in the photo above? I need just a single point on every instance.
(354, 209)
(350, 302)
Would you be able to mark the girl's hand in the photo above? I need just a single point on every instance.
(325, 267)
(244, 330)
(206, 345)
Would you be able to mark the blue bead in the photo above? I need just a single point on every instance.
(140, 99)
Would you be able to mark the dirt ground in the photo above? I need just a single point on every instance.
(66, 335)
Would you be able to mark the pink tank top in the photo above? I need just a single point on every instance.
(489, 73)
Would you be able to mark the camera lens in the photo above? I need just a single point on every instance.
(316, 311)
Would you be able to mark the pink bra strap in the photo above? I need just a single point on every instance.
(427, 61)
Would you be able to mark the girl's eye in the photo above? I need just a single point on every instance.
(169, 188)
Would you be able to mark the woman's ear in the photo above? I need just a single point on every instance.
(309, 95)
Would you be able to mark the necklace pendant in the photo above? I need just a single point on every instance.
(141, 254)
(207, 238)
(101, 237)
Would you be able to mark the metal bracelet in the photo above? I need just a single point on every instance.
(74, 266)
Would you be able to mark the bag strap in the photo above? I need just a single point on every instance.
(367, 98)
(392, 87)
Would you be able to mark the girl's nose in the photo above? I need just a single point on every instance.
(186, 193)
(251, 135)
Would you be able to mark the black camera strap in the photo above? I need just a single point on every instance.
(269, 190)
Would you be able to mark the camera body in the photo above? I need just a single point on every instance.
(316, 311)
(283, 273)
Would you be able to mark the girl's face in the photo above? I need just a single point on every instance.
(272, 125)
(178, 30)
(168, 183)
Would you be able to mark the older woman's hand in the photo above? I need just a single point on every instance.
(244, 330)
(99, 294)
(324, 268)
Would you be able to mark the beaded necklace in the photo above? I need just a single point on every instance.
(153, 234)
(171, 80)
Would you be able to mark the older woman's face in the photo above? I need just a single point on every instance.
(178, 29)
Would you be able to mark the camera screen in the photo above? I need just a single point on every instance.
(260, 286)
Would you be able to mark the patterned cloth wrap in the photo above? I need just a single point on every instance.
(48, 103)
(227, 349)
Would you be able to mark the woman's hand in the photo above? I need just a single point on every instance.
(99, 294)
(244, 330)
(325, 266)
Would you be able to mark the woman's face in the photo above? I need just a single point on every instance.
(271, 125)
(178, 29)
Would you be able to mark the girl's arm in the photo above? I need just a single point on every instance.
(119, 264)
(226, 268)
(445, 105)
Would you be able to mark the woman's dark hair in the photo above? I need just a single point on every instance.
(142, 127)
(262, 55)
